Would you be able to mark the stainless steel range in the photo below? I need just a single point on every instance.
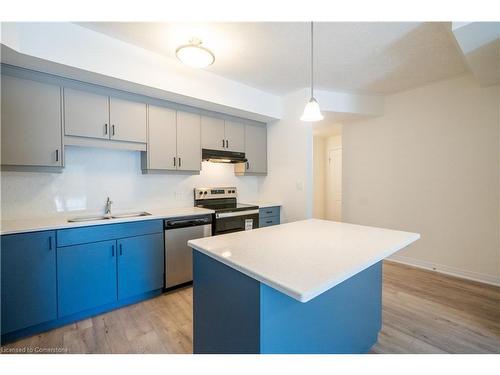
(230, 216)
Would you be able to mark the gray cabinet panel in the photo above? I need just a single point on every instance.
(256, 148)
(235, 136)
(162, 138)
(31, 123)
(188, 141)
(212, 133)
(86, 114)
(128, 120)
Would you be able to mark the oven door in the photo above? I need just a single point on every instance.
(227, 222)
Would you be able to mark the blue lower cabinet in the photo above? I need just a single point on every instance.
(269, 216)
(28, 292)
(86, 276)
(140, 264)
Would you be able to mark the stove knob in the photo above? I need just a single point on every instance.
(205, 192)
(200, 192)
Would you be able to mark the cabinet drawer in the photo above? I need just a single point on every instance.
(269, 211)
(268, 221)
(75, 236)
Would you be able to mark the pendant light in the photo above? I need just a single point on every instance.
(312, 111)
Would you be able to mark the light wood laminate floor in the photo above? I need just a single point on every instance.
(423, 312)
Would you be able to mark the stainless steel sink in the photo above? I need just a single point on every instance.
(107, 217)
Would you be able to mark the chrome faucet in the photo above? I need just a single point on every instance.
(107, 209)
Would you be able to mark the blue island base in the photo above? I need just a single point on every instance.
(234, 313)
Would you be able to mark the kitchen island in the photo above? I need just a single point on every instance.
(311, 286)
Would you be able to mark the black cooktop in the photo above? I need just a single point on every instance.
(224, 205)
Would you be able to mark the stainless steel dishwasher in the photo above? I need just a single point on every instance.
(178, 255)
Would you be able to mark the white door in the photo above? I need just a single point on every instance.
(212, 133)
(128, 120)
(256, 148)
(86, 114)
(31, 123)
(188, 141)
(334, 185)
(235, 136)
(162, 145)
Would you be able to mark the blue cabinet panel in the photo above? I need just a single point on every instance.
(86, 276)
(75, 236)
(268, 221)
(140, 264)
(28, 279)
(269, 211)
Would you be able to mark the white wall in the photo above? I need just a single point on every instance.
(431, 165)
(319, 177)
(289, 153)
(92, 174)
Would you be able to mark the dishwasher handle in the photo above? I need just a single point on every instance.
(187, 222)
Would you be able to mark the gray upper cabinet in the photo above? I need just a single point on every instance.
(162, 139)
(188, 141)
(235, 136)
(86, 114)
(212, 133)
(256, 148)
(128, 120)
(31, 123)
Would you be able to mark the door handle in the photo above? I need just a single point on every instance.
(57, 155)
(227, 143)
(175, 162)
(121, 250)
(180, 162)
(112, 250)
(113, 129)
(50, 242)
(248, 165)
(105, 129)
(223, 143)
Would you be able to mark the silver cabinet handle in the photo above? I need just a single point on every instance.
(113, 129)
(180, 162)
(105, 129)
(174, 161)
(57, 155)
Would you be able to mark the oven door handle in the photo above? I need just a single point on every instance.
(223, 215)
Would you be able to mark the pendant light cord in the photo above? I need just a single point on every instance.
(312, 64)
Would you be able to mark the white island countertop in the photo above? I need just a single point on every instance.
(61, 222)
(305, 258)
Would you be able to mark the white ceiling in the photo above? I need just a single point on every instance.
(372, 58)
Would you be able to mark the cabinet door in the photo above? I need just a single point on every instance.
(140, 264)
(28, 280)
(31, 123)
(86, 276)
(235, 136)
(128, 120)
(86, 114)
(212, 133)
(188, 141)
(256, 148)
(162, 144)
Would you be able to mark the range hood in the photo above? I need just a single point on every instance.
(217, 156)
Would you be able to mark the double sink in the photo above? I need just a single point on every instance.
(108, 217)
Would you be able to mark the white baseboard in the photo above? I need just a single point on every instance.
(447, 270)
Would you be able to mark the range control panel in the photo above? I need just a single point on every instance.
(215, 192)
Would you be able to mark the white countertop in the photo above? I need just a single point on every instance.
(264, 204)
(305, 258)
(38, 224)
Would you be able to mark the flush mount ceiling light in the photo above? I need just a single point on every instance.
(194, 55)
(312, 112)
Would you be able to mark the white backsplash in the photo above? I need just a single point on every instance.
(90, 175)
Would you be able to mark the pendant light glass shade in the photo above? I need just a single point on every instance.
(312, 112)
